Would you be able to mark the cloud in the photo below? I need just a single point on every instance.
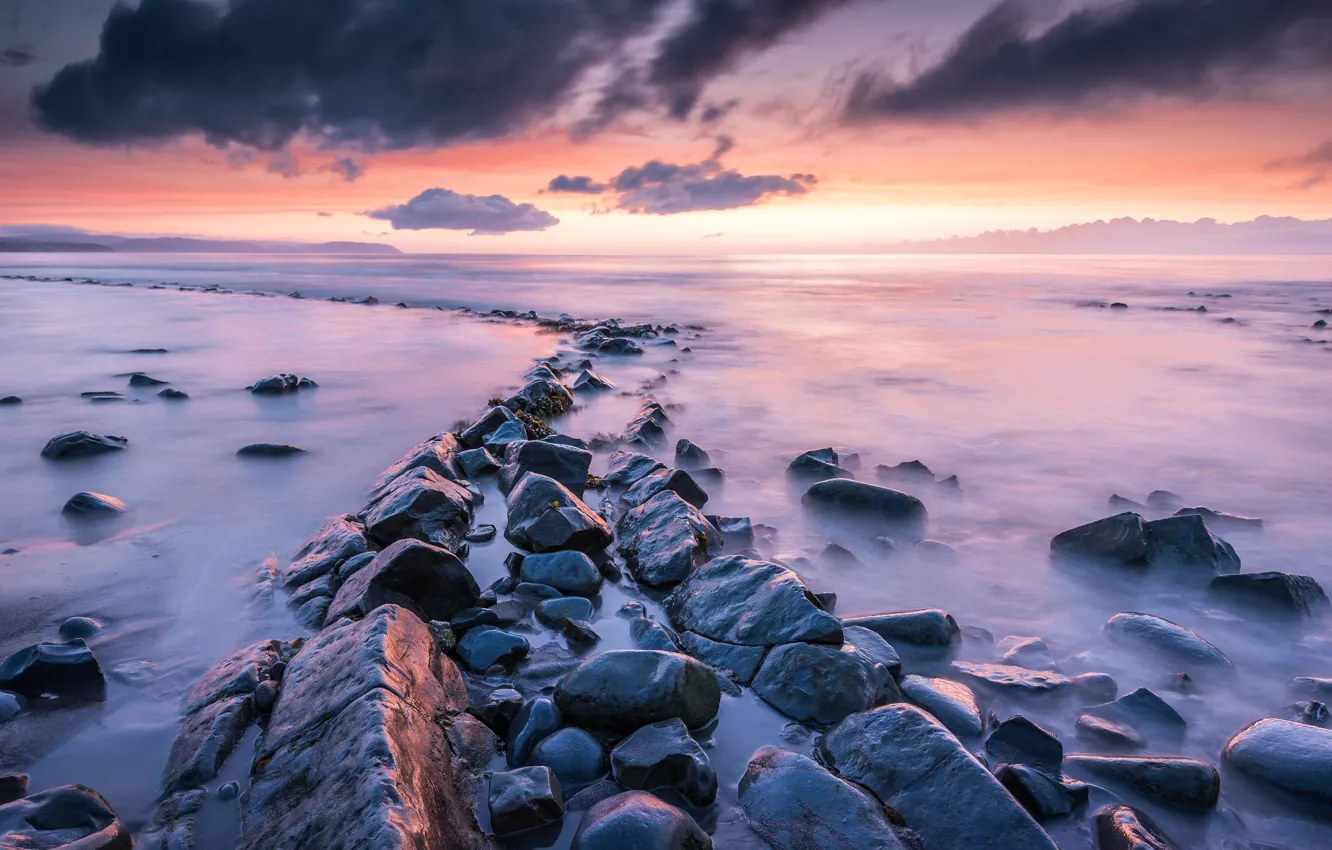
(347, 167)
(1106, 54)
(1316, 158)
(322, 214)
(659, 188)
(714, 112)
(576, 185)
(441, 209)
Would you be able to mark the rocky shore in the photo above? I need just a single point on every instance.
(423, 710)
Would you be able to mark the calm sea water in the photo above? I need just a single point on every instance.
(990, 368)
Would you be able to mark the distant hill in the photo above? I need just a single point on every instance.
(37, 246)
(1263, 235)
(33, 238)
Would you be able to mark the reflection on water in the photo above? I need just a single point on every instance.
(983, 367)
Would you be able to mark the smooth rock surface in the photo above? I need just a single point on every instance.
(636, 820)
(663, 540)
(421, 505)
(54, 672)
(1121, 539)
(1283, 592)
(1125, 828)
(1018, 740)
(425, 579)
(68, 816)
(566, 464)
(675, 480)
(576, 757)
(341, 538)
(883, 508)
(1184, 542)
(535, 720)
(82, 444)
(1160, 636)
(951, 703)
(625, 468)
(662, 755)
(568, 572)
(751, 603)
(1294, 759)
(816, 683)
(740, 662)
(630, 688)
(485, 646)
(1014, 679)
(475, 434)
(544, 516)
(926, 627)
(1042, 795)
(1183, 782)
(93, 504)
(524, 799)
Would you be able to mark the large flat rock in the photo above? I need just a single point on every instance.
(741, 601)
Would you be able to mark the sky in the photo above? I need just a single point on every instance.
(624, 126)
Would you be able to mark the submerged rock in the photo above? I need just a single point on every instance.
(281, 383)
(1186, 542)
(82, 444)
(1178, 542)
(1143, 709)
(662, 755)
(68, 816)
(10, 399)
(881, 507)
(427, 580)
(269, 450)
(543, 397)
(816, 683)
(589, 381)
(951, 703)
(630, 688)
(689, 455)
(665, 539)
(524, 799)
(753, 603)
(1223, 520)
(1292, 760)
(544, 516)
(638, 820)
(535, 721)
(173, 394)
(1106, 733)
(739, 662)
(1120, 539)
(93, 504)
(1164, 637)
(926, 627)
(55, 672)
(648, 426)
(1176, 781)
(552, 612)
(1125, 828)
(1278, 591)
(79, 627)
(566, 464)
(485, 646)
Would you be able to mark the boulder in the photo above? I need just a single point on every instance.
(93, 504)
(625, 468)
(54, 673)
(689, 455)
(647, 633)
(1287, 759)
(648, 427)
(739, 662)
(437, 454)
(1183, 782)
(1018, 740)
(269, 450)
(665, 539)
(589, 381)
(498, 441)
(424, 579)
(640, 821)
(1223, 520)
(421, 505)
(82, 444)
(172, 394)
(341, 538)
(881, 508)
(206, 737)
(1014, 679)
(10, 399)
(1031, 652)
(575, 756)
(630, 688)
(951, 703)
(535, 721)
(1042, 795)
(662, 755)
(1164, 638)
(543, 397)
(915, 766)
(1121, 539)
(545, 517)
(1108, 734)
(568, 572)
(74, 817)
(675, 480)
(474, 435)
(485, 646)
(1282, 592)
(1121, 827)
(524, 799)
(478, 462)
(13, 786)
(926, 627)
(1311, 686)
(817, 465)
(281, 383)
(1096, 686)
(565, 464)
(1141, 709)
(552, 612)
(751, 603)
(1184, 542)
(237, 674)
(794, 804)
(816, 683)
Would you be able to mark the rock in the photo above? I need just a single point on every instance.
(1164, 499)
(1311, 686)
(579, 633)
(1096, 686)
(662, 755)
(421, 505)
(629, 688)
(206, 737)
(709, 477)
(648, 427)
(74, 817)
(1284, 758)
(737, 530)
(1019, 741)
(1016, 679)
(524, 799)
(1121, 539)
(1043, 796)
(269, 450)
(740, 662)
(93, 504)
(424, 579)
(478, 462)
(438, 455)
(279, 384)
(265, 696)
(625, 468)
(926, 627)
(173, 394)
(817, 465)
(470, 618)
(544, 516)
(10, 399)
(815, 683)
(675, 480)
(619, 345)
(1177, 781)
(1185, 542)
(1118, 503)
(54, 672)
(1030, 652)
(535, 591)
(1141, 709)
(13, 786)
(589, 381)
(1222, 520)
(1105, 733)
(139, 379)
(1126, 828)
(1165, 638)
(565, 464)
(568, 572)
(339, 540)
(82, 444)
(11, 704)
(794, 804)
(639, 821)
(552, 612)
(1275, 591)
(951, 703)
(663, 540)
(868, 503)
(838, 555)
(238, 674)
(483, 533)
(575, 756)
(537, 719)
(498, 710)
(689, 455)
(474, 435)
(228, 791)
(485, 646)
(499, 440)
(751, 603)
(542, 397)
(647, 633)
(915, 766)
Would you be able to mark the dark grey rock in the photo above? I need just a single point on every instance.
(1106, 733)
(1222, 520)
(565, 464)
(740, 662)
(1184, 542)
(269, 450)
(478, 462)
(139, 379)
(552, 612)
(524, 799)
(675, 480)
(74, 817)
(340, 539)
(1187, 783)
(1164, 499)
(1125, 828)
(82, 444)
(1282, 592)
(421, 505)
(544, 516)
(625, 468)
(1100, 687)
(1165, 638)
(439, 455)
(817, 465)
(499, 440)
(281, 383)
(10, 399)
(1120, 539)
(880, 507)
(533, 591)
(485, 646)
(424, 579)
(11, 705)
(228, 791)
(1030, 652)
(13, 786)
(1311, 686)
(1014, 679)
(648, 427)
(566, 440)
(647, 633)
(205, 739)
(1018, 740)
(173, 394)
(543, 397)
(629, 688)
(1141, 709)
(662, 755)
(951, 703)
(689, 455)
(915, 766)
(638, 820)
(663, 540)
(750, 603)
(568, 572)
(579, 632)
(575, 756)
(482, 533)
(238, 674)
(93, 504)
(1042, 795)
(498, 709)
(589, 381)
(816, 683)
(474, 435)
(265, 696)
(58, 672)
(469, 618)
(1287, 759)
(926, 627)
(535, 720)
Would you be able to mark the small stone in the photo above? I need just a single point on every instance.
(568, 572)
(172, 394)
(534, 721)
(499, 709)
(265, 696)
(575, 756)
(139, 379)
(10, 399)
(636, 820)
(65, 671)
(951, 703)
(82, 444)
(485, 646)
(1178, 781)
(1103, 732)
(79, 627)
(1125, 828)
(93, 504)
(228, 791)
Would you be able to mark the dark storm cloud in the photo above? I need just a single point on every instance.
(441, 209)
(663, 188)
(1105, 54)
(576, 185)
(346, 167)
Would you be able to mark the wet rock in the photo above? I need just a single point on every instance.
(675, 480)
(638, 820)
(11, 704)
(265, 697)
(751, 603)
(1165, 638)
(68, 816)
(1105, 733)
(689, 455)
(1274, 591)
(709, 477)
(173, 395)
(1288, 759)
(1188, 783)
(951, 703)
(478, 462)
(541, 397)
(1126, 828)
(269, 450)
(568, 572)
(817, 465)
(566, 440)
(139, 379)
(1164, 499)
(532, 591)
(1020, 741)
(1041, 794)
(1312, 712)
(1120, 539)
(544, 516)
(439, 455)
(915, 766)
(593, 794)
(1311, 686)
(662, 755)
(339, 540)
(866, 502)
(281, 383)
(629, 688)
(1014, 679)
(524, 799)
(485, 646)
(10, 399)
(82, 444)
(647, 633)
(1100, 687)
(666, 538)
(93, 504)
(421, 505)
(589, 381)
(579, 633)
(1141, 709)
(470, 618)
(648, 427)
(1222, 520)
(238, 674)
(575, 756)
(736, 530)
(625, 468)
(794, 804)
(13, 786)
(60, 672)
(566, 464)
(823, 684)
(552, 612)
(926, 627)
(1030, 652)
(498, 709)
(1184, 542)
(424, 579)
(206, 737)
(474, 435)
(535, 720)
(1121, 504)
(740, 662)
(838, 555)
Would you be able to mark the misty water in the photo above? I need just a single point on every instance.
(1000, 370)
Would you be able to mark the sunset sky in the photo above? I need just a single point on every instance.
(689, 125)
